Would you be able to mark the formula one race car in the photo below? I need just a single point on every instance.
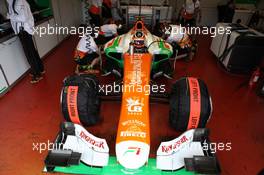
(79, 152)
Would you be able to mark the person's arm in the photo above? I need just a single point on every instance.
(81, 49)
(7, 10)
(100, 11)
(100, 3)
(118, 4)
(198, 11)
(115, 31)
(180, 12)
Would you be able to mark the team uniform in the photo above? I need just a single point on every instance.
(22, 22)
(108, 30)
(85, 53)
(179, 36)
(106, 33)
(189, 12)
(106, 9)
(95, 11)
(181, 41)
(115, 10)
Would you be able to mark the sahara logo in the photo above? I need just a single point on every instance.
(135, 150)
(135, 106)
(136, 72)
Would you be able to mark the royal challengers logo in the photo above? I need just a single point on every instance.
(135, 106)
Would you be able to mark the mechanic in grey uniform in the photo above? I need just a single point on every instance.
(115, 10)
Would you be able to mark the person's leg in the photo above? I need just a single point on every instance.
(26, 51)
(93, 59)
(167, 70)
(115, 14)
(106, 11)
(182, 22)
(95, 19)
(26, 41)
(99, 40)
(39, 62)
(175, 48)
(39, 68)
(82, 64)
(87, 62)
(189, 23)
(108, 39)
(92, 21)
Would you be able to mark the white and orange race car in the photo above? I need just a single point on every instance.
(79, 152)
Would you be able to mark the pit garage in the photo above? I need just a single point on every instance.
(107, 87)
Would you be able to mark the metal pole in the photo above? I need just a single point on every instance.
(8, 85)
(2, 70)
(140, 8)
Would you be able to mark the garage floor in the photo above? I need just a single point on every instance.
(31, 114)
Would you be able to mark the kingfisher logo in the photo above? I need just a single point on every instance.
(88, 139)
(132, 150)
(176, 145)
(135, 106)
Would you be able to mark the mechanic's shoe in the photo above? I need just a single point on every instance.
(89, 67)
(106, 74)
(43, 72)
(91, 71)
(190, 56)
(168, 76)
(35, 80)
(77, 70)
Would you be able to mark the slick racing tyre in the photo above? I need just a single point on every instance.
(190, 104)
(80, 101)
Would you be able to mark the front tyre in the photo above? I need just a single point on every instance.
(80, 100)
(190, 104)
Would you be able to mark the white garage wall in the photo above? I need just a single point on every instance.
(209, 11)
(67, 13)
(3, 8)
